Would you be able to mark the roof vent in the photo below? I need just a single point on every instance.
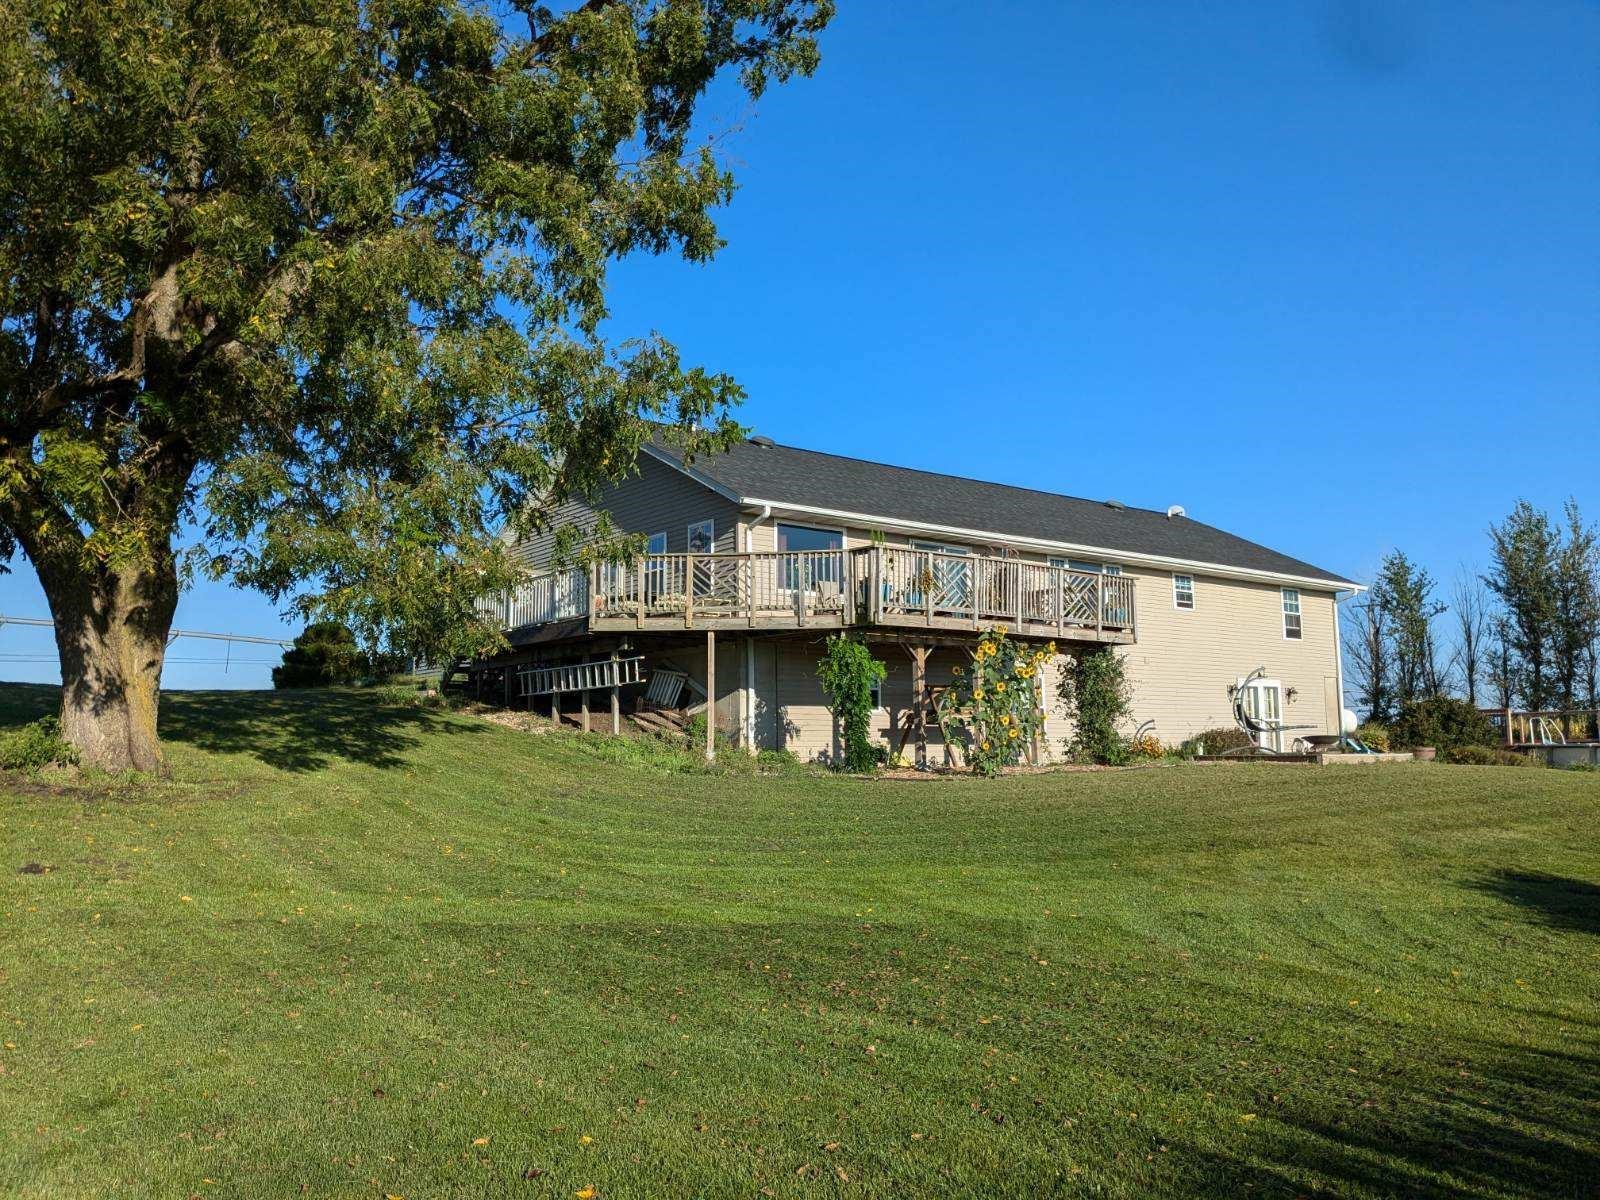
(1116, 504)
(1175, 510)
(765, 443)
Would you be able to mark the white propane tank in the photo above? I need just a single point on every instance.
(1349, 719)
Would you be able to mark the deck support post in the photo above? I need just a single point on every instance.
(510, 674)
(919, 701)
(711, 695)
(583, 713)
(616, 702)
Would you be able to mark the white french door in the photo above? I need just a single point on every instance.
(1263, 700)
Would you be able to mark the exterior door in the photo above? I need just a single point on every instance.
(1263, 700)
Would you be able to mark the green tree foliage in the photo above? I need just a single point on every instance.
(848, 673)
(1403, 593)
(1097, 697)
(1443, 722)
(1576, 629)
(325, 654)
(326, 282)
(1525, 550)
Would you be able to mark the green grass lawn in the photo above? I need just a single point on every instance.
(356, 948)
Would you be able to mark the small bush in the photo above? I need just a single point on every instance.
(35, 745)
(1373, 735)
(1484, 756)
(1148, 746)
(1442, 722)
(324, 655)
(1216, 741)
(1588, 768)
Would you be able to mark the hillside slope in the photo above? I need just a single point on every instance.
(355, 948)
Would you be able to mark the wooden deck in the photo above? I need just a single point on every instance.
(875, 587)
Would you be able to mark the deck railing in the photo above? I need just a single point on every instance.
(942, 587)
(546, 597)
(872, 585)
(756, 586)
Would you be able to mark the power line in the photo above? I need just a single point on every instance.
(172, 636)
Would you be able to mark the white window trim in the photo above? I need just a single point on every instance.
(1299, 613)
(1194, 602)
(708, 523)
(844, 535)
(1109, 569)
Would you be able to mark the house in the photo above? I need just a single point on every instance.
(756, 555)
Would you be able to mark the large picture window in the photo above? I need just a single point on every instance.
(804, 564)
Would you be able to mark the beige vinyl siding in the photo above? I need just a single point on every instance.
(1180, 669)
(1184, 660)
(659, 499)
(806, 727)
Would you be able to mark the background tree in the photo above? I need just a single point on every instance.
(1472, 625)
(1523, 576)
(327, 281)
(1577, 608)
(1502, 665)
(1404, 591)
(1367, 643)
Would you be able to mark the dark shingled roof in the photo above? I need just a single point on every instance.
(761, 470)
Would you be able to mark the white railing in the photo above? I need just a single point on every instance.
(545, 597)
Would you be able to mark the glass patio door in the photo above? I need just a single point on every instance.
(1263, 700)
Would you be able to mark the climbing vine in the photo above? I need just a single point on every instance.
(1095, 693)
(992, 709)
(849, 673)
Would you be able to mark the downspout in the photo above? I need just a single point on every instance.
(750, 642)
(1338, 671)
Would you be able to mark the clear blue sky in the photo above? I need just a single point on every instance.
(1327, 274)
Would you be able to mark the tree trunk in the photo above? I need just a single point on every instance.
(111, 635)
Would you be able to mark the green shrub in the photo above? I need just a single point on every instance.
(1095, 693)
(1374, 735)
(35, 745)
(1442, 722)
(324, 655)
(1215, 741)
(1484, 756)
(848, 673)
(1591, 768)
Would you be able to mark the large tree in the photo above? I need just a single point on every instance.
(318, 288)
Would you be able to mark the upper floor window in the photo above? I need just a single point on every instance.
(702, 537)
(1183, 591)
(1291, 613)
(657, 543)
